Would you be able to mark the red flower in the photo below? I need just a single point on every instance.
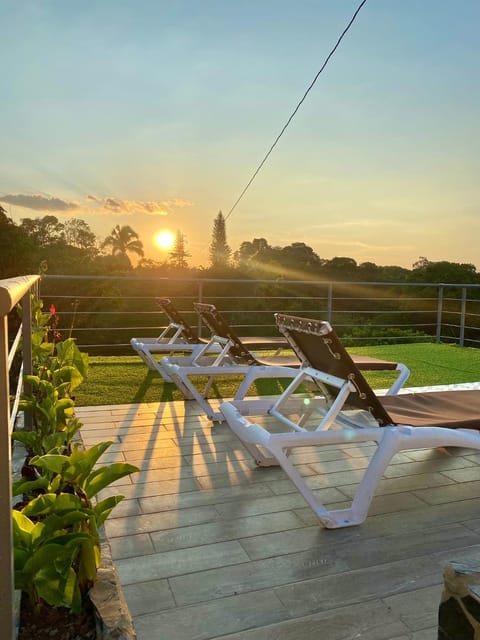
(52, 310)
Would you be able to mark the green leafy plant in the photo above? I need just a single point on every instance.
(54, 422)
(56, 527)
(67, 509)
(44, 556)
(60, 367)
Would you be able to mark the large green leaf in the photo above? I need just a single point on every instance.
(88, 562)
(101, 478)
(85, 460)
(55, 443)
(51, 462)
(67, 378)
(31, 439)
(20, 556)
(22, 486)
(68, 354)
(104, 507)
(39, 505)
(52, 503)
(59, 588)
(65, 405)
(22, 527)
(60, 552)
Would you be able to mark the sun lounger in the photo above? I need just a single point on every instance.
(177, 337)
(236, 359)
(187, 372)
(342, 409)
(245, 352)
(180, 337)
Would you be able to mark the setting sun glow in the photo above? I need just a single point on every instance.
(164, 239)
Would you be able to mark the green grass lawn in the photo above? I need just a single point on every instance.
(125, 379)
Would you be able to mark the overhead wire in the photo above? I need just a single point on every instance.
(257, 170)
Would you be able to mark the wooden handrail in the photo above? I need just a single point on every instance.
(12, 291)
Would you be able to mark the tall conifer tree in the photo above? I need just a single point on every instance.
(178, 255)
(220, 252)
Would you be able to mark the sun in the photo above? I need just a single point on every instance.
(164, 239)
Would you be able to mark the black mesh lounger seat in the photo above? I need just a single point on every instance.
(242, 350)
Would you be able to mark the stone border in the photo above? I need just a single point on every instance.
(114, 621)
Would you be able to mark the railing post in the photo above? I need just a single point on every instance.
(439, 315)
(330, 303)
(199, 318)
(6, 537)
(27, 348)
(463, 313)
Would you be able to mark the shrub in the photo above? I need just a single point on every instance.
(56, 527)
(368, 334)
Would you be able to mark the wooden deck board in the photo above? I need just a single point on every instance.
(208, 546)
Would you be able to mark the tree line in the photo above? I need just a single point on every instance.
(48, 245)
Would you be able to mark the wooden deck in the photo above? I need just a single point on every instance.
(208, 546)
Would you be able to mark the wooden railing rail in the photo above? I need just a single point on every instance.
(12, 291)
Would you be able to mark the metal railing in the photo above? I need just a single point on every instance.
(103, 312)
(113, 309)
(12, 291)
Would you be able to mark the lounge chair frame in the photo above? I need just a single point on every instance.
(184, 372)
(344, 396)
(235, 358)
(178, 336)
(241, 348)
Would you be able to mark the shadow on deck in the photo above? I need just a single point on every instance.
(209, 546)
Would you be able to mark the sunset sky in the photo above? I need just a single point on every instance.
(155, 114)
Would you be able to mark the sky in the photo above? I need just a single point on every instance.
(155, 114)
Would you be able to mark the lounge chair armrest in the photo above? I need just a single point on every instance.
(245, 430)
(214, 344)
(345, 388)
(403, 374)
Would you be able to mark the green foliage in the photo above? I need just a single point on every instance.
(60, 368)
(77, 471)
(123, 240)
(71, 484)
(60, 526)
(383, 335)
(56, 533)
(45, 552)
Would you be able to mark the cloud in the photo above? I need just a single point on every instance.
(179, 202)
(95, 205)
(364, 246)
(38, 202)
(146, 207)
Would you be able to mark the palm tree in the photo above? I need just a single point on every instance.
(123, 240)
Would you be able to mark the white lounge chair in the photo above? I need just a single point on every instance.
(177, 337)
(180, 337)
(236, 359)
(343, 409)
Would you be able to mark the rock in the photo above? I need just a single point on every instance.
(114, 621)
